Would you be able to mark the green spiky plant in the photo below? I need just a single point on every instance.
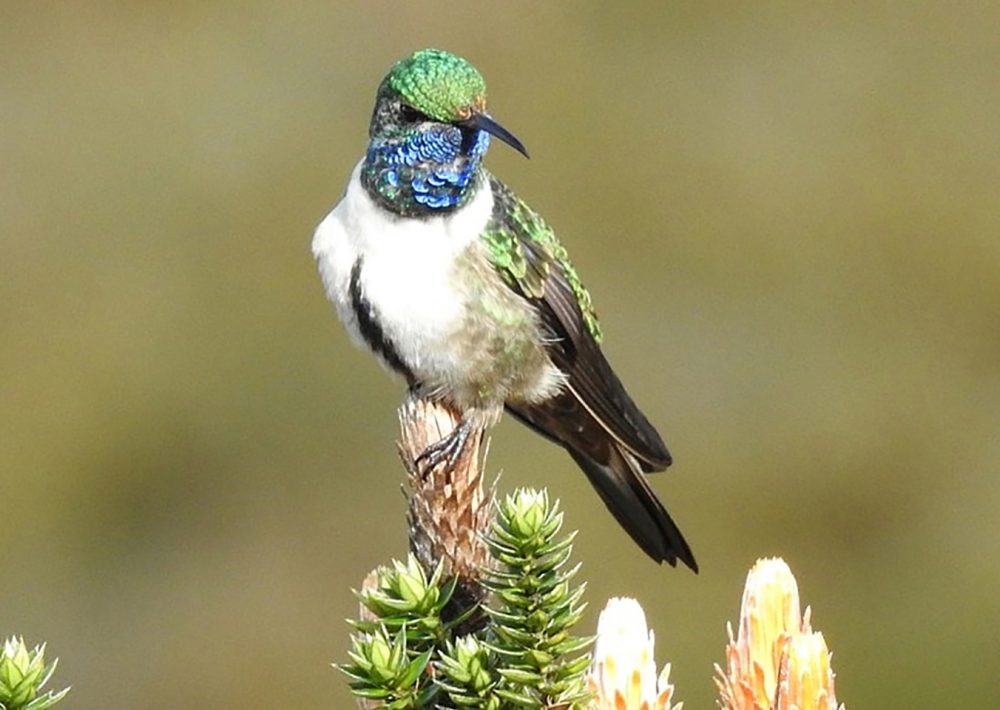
(406, 654)
(403, 625)
(535, 605)
(23, 674)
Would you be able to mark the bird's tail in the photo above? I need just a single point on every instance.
(614, 470)
(622, 486)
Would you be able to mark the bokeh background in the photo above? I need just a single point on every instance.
(789, 217)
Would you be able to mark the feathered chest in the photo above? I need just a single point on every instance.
(423, 295)
(404, 271)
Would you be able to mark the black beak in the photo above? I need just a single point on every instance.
(482, 122)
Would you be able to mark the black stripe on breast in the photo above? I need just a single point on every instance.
(371, 329)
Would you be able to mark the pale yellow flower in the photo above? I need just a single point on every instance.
(775, 662)
(623, 675)
(806, 680)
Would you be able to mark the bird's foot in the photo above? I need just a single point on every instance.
(444, 451)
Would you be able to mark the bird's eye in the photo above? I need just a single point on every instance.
(411, 115)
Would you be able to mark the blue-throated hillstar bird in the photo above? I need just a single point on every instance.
(452, 281)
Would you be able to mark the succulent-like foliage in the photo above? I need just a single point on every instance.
(400, 630)
(405, 654)
(384, 670)
(23, 673)
(468, 674)
(405, 599)
(540, 661)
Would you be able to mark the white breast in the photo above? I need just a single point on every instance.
(406, 274)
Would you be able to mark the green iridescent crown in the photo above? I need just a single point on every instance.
(439, 84)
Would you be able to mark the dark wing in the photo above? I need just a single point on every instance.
(593, 418)
(526, 253)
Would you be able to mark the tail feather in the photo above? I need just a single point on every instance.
(614, 471)
(626, 493)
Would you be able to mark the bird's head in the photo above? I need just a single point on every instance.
(435, 90)
(429, 132)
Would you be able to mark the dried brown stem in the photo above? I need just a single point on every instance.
(449, 507)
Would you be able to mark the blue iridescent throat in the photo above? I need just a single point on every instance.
(424, 173)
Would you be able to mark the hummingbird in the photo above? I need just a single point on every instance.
(453, 282)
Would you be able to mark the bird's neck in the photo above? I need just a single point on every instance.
(425, 173)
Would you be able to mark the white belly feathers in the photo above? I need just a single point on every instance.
(406, 274)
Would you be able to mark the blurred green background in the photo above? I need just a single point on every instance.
(789, 217)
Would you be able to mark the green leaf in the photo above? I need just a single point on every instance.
(416, 667)
(534, 604)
